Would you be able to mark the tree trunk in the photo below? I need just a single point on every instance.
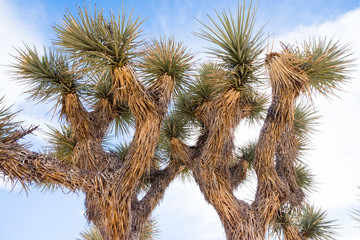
(237, 217)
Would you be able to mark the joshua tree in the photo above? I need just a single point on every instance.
(90, 75)
(227, 93)
(101, 76)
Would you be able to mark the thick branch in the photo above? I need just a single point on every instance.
(211, 169)
(148, 113)
(75, 113)
(223, 115)
(272, 192)
(286, 154)
(26, 167)
(89, 129)
(216, 187)
(161, 91)
(127, 88)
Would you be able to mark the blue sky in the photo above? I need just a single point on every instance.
(183, 213)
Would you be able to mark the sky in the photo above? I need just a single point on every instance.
(183, 213)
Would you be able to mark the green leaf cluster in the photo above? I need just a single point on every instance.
(307, 221)
(47, 76)
(236, 45)
(97, 41)
(166, 57)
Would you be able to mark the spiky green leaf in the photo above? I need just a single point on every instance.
(91, 233)
(327, 64)
(92, 38)
(247, 153)
(62, 143)
(100, 89)
(258, 104)
(174, 126)
(314, 224)
(167, 57)
(46, 76)
(237, 44)
(305, 119)
(304, 178)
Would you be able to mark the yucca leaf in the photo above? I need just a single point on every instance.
(304, 178)
(149, 233)
(97, 41)
(151, 230)
(174, 126)
(326, 63)
(247, 153)
(91, 233)
(237, 44)
(208, 82)
(202, 89)
(121, 151)
(185, 106)
(62, 143)
(258, 104)
(101, 88)
(46, 76)
(123, 120)
(284, 224)
(167, 57)
(305, 119)
(314, 225)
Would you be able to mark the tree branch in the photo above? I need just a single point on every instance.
(15, 136)
(27, 167)
(76, 114)
(286, 154)
(238, 173)
(160, 180)
(272, 192)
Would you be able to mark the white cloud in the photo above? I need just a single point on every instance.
(19, 26)
(14, 30)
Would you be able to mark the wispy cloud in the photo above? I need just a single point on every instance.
(14, 30)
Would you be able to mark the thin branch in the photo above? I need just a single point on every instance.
(15, 136)
(160, 180)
